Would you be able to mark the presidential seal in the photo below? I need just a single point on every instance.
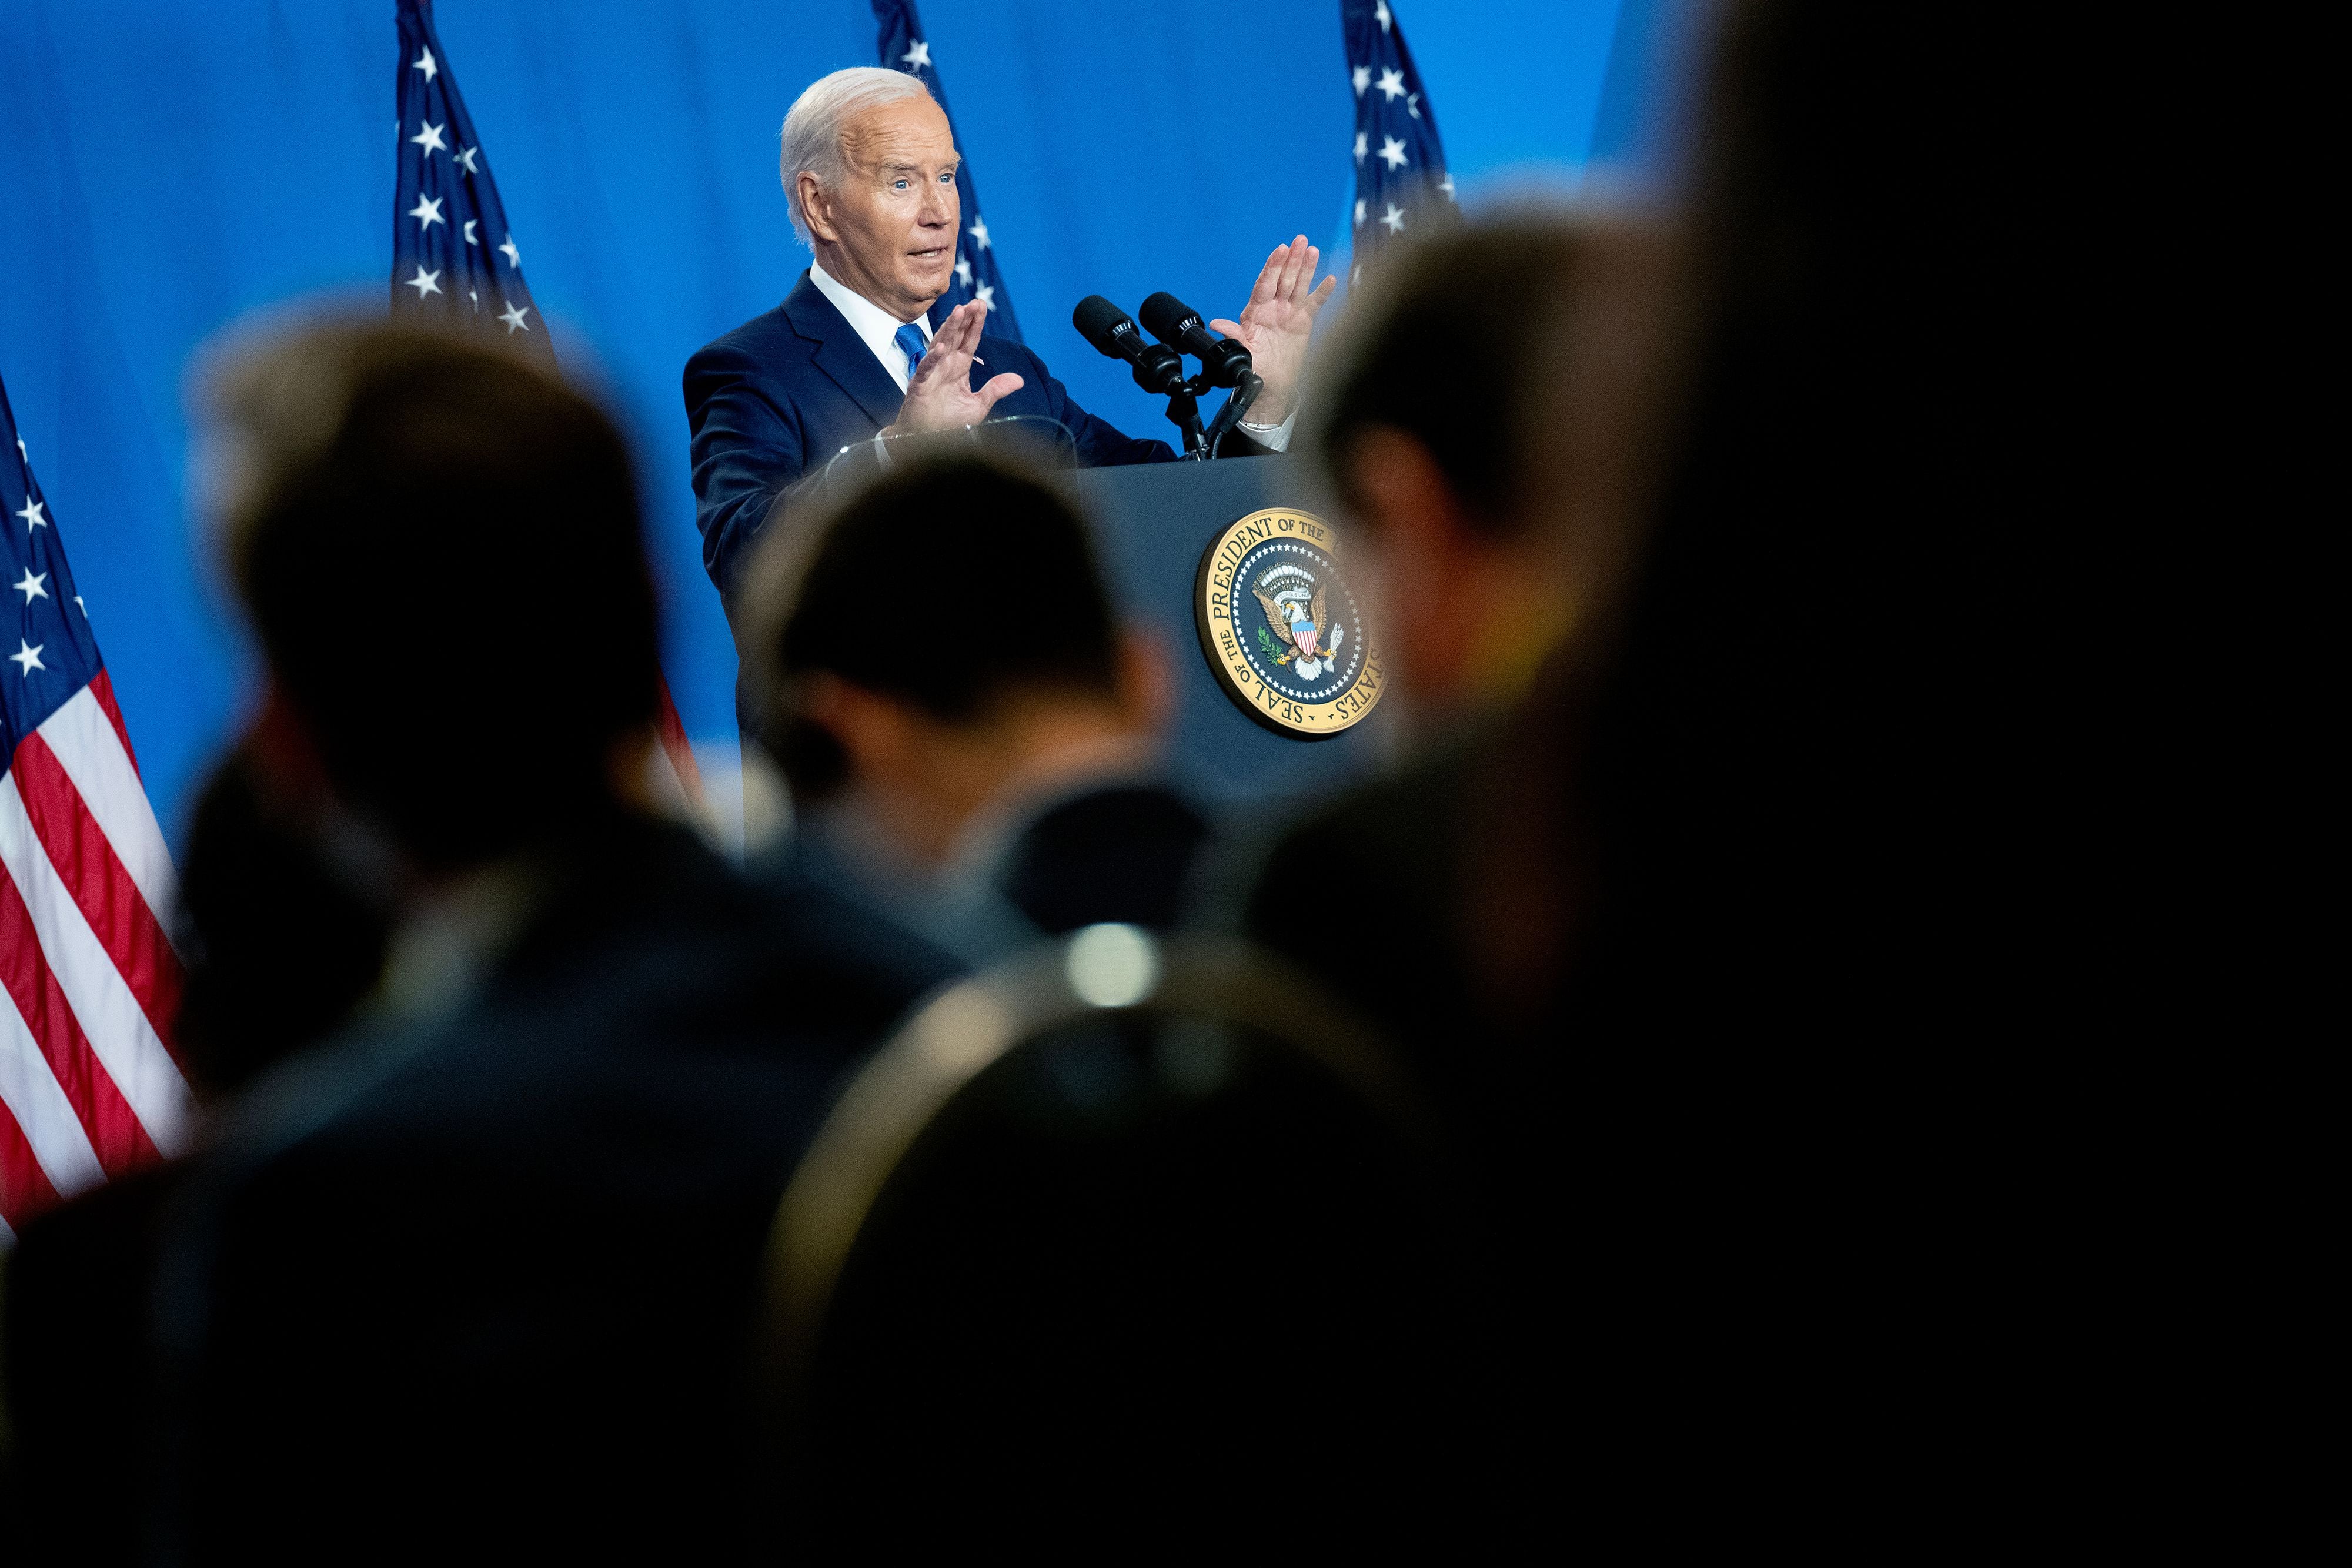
(1282, 628)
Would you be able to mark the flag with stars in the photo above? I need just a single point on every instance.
(1402, 185)
(89, 1086)
(453, 257)
(904, 48)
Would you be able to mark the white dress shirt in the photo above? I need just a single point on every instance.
(875, 327)
(878, 331)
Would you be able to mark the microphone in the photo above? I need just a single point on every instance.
(1222, 362)
(1158, 369)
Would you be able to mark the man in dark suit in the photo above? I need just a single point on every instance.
(868, 167)
(994, 776)
(482, 1270)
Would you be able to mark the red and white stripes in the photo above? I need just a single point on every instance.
(90, 1087)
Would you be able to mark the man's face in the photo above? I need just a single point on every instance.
(891, 225)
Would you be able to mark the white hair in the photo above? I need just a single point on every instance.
(812, 134)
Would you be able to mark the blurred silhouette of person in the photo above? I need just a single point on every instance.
(970, 735)
(280, 950)
(1495, 510)
(1727, 858)
(482, 1270)
(1837, 534)
(1489, 505)
(1689, 868)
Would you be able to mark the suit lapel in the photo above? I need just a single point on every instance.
(842, 354)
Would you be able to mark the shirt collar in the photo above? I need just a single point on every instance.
(875, 327)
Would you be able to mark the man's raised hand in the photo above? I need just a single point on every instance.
(941, 396)
(1276, 323)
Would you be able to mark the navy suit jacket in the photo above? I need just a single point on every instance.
(779, 395)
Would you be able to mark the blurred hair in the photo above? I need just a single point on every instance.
(1496, 345)
(812, 127)
(951, 583)
(438, 547)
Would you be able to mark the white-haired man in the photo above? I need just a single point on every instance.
(869, 168)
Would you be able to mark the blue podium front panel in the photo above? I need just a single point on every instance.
(1153, 523)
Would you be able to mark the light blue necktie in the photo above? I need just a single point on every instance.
(910, 337)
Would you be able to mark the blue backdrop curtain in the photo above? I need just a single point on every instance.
(167, 167)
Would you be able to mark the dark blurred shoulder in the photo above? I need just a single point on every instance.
(653, 881)
(827, 929)
(651, 974)
(1120, 853)
(1399, 834)
(1364, 894)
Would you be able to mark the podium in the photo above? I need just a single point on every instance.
(1153, 522)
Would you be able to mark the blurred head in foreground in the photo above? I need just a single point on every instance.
(438, 548)
(941, 646)
(1474, 406)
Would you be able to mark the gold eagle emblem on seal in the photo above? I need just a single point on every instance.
(1282, 628)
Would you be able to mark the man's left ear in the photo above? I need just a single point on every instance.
(813, 214)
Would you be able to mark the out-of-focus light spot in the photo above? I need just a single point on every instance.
(1112, 965)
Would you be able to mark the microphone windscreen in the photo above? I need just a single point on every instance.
(1099, 321)
(1166, 317)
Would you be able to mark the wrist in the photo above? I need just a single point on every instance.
(1267, 415)
(914, 418)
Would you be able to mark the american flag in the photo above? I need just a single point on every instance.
(1402, 184)
(90, 1087)
(454, 259)
(904, 48)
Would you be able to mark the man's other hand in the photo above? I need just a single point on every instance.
(1276, 323)
(941, 396)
